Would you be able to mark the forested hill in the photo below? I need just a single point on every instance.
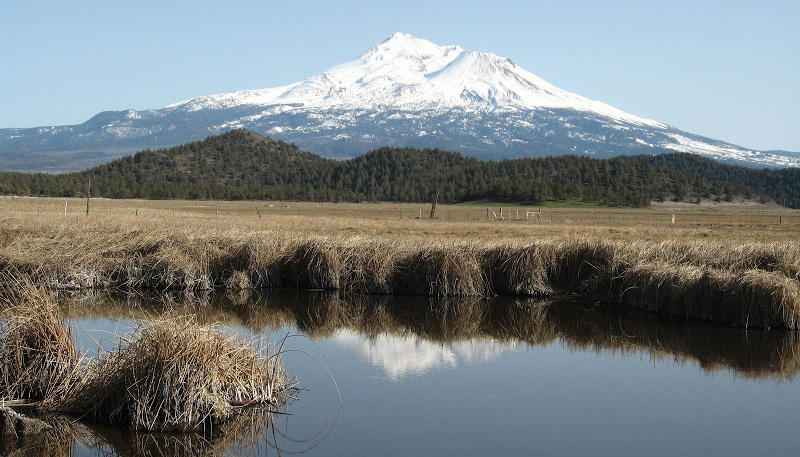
(244, 165)
(780, 184)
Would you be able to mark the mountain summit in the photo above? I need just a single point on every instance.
(409, 73)
(405, 91)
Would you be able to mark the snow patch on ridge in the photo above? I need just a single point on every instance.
(727, 152)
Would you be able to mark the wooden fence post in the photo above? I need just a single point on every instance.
(88, 193)
(433, 206)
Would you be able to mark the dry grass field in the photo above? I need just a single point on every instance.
(737, 265)
(743, 222)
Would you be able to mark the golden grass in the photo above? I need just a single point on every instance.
(39, 359)
(174, 375)
(660, 268)
(171, 374)
(722, 222)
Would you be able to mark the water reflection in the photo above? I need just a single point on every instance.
(249, 435)
(547, 386)
(410, 335)
(403, 355)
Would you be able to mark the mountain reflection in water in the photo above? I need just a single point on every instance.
(405, 338)
(403, 355)
(406, 335)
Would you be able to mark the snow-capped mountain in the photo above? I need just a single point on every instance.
(405, 91)
(412, 74)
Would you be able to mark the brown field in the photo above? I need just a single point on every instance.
(745, 222)
(736, 264)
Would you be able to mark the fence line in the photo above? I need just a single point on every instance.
(532, 216)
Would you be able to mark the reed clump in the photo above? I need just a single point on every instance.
(314, 264)
(39, 360)
(440, 271)
(524, 271)
(750, 284)
(172, 374)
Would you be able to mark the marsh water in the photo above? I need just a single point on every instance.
(416, 376)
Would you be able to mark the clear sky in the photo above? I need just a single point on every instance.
(724, 69)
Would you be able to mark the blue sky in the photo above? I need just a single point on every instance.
(728, 69)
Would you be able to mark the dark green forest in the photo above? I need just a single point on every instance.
(244, 165)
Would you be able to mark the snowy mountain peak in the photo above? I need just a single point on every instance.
(404, 91)
(409, 73)
(402, 45)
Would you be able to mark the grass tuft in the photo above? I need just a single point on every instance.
(175, 375)
(172, 374)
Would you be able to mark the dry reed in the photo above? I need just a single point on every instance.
(39, 360)
(751, 284)
(175, 375)
(171, 374)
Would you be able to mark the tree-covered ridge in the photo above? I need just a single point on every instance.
(244, 165)
(780, 184)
